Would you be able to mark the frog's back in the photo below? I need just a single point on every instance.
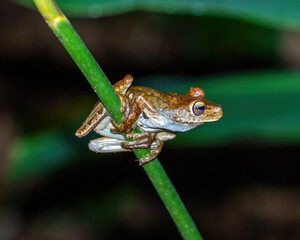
(160, 99)
(144, 91)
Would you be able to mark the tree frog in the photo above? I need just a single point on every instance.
(159, 115)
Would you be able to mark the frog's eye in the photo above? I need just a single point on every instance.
(198, 108)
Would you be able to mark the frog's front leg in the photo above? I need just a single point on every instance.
(145, 140)
(157, 145)
(140, 140)
(131, 112)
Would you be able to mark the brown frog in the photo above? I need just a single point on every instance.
(159, 115)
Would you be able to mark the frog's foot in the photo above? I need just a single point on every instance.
(145, 140)
(156, 147)
(107, 144)
(140, 140)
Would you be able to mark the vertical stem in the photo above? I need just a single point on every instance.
(99, 82)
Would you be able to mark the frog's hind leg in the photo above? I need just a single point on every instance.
(110, 142)
(98, 113)
(114, 144)
(104, 128)
(106, 145)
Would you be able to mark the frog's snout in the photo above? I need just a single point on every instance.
(216, 112)
(218, 108)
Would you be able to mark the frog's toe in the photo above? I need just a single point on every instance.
(144, 160)
(147, 159)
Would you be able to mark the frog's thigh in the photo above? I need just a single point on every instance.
(104, 129)
(106, 144)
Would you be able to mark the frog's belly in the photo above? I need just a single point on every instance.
(158, 123)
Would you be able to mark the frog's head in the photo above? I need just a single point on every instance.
(195, 109)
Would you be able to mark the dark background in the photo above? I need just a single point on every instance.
(52, 187)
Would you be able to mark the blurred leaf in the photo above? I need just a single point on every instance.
(277, 13)
(34, 155)
(104, 211)
(259, 106)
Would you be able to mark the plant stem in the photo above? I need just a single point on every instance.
(99, 82)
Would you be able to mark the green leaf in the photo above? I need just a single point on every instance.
(277, 13)
(38, 154)
(257, 106)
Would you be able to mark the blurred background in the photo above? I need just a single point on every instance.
(239, 177)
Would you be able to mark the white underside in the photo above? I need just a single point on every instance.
(154, 124)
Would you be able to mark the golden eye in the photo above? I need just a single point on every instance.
(198, 108)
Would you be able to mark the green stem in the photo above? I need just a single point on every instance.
(99, 82)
